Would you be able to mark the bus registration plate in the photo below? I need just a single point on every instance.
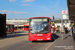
(39, 34)
(39, 39)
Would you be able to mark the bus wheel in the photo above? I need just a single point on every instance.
(33, 41)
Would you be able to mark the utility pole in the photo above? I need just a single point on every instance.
(53, 17)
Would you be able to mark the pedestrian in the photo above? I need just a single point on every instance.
(72, 31)
(59, 29)
(66, 30)
(54, 29)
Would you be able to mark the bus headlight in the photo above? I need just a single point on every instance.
(48, 38)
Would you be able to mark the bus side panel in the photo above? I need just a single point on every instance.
(28, 28)
(13, 28)
(25, 29)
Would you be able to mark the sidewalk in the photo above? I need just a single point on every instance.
(66, 44)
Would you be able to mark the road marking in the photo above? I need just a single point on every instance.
(50, 44)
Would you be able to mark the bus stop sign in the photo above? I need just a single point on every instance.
(63, 11)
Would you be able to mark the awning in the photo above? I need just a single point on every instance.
(71, 9)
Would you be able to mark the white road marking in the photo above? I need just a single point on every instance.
(50, 44)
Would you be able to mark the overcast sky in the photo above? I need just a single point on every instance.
(24, 9)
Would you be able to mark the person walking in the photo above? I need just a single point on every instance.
(71, 31)
(54, 29)
(57, 30)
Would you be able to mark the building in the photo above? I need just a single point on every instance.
(18, 23)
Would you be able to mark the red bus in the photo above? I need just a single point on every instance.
(9, 28)
(26, 27)
(39, 28)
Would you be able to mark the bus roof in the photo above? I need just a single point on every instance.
(40, 17)
(26, 25)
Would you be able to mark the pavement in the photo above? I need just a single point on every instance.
(66, 44)
(19, 41)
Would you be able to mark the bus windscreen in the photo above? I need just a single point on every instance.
(26, 26)
(39, 25)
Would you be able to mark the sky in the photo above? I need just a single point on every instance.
(24, 9)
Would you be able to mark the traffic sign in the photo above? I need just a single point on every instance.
(64, 12)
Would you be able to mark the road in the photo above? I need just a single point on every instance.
(19, 41)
